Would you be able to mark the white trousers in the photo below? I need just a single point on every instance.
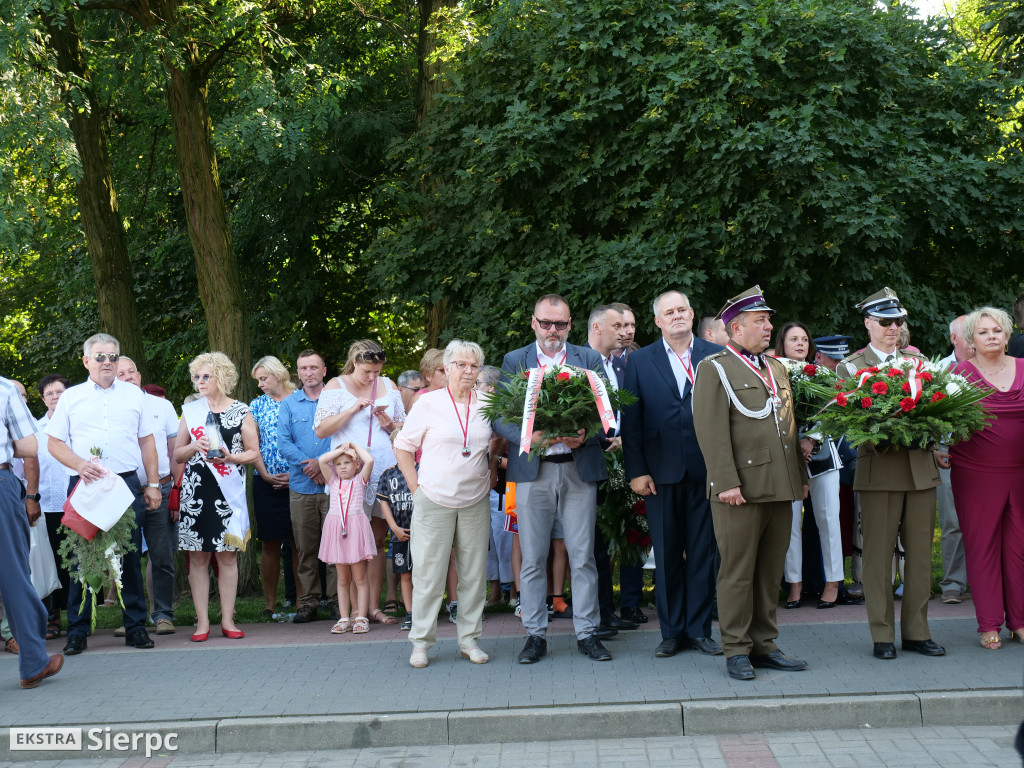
(824, 493)
(434, 532)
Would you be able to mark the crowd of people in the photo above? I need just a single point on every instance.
(364, 487)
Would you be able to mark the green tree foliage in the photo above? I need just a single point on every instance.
(610, 149)
(301, 129)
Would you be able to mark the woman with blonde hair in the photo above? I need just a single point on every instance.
(987, 475)
(270, 499)
(362, 407)
(214, 514)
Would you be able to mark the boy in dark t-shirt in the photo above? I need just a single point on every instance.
(396, 503)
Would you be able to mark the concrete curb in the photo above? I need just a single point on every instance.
(712, 717)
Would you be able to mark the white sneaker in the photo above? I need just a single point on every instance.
(519, 610)
(453, 612)
(474, 654)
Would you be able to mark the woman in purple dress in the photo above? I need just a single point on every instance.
(988, 481)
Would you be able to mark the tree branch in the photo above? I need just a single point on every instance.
(131, 7)
(216, 55)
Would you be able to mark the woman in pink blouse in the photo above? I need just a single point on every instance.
(987, 475)
(450, 498)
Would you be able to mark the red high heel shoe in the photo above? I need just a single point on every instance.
(233, 634)
(200, 637)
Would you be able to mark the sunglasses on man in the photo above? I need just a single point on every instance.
(560, 325)
(101, 357)
(886, 322)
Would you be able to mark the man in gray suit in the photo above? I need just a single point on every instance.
(561, 483)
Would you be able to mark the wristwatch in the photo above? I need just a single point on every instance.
(153, 485)
(33, 496)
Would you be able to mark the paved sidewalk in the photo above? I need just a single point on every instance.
(269, 691)
(945, 747)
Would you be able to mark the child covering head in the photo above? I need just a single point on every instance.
(347, 539)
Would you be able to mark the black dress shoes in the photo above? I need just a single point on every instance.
(778, 660)
(670, 646)
(591, 646)
(633, 614)
(739, 668)
(603, 632)
(611, 621)
(138, 638)
(924, 647)
(75, 645)
(705, 645)
(794, 603)
(886, 651)
(535, 648)
(845, 598)
(823, 604)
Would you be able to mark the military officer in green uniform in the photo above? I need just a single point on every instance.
(897, 497)
(743, 416)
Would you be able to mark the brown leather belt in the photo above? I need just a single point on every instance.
(5, 466)
(165, 479)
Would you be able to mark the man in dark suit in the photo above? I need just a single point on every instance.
(664, 464)
(562, 482)
(604, 333)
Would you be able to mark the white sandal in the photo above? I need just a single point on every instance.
(418, 658)
(343, 625)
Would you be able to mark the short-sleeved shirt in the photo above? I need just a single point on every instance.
(111, 420)
(53, 480)
(265, 411)
(161, 416)
(16, 422)
(395, 491)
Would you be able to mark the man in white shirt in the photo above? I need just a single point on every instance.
(159, 526)
(105, 415)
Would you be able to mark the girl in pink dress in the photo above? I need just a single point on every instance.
(347, 539)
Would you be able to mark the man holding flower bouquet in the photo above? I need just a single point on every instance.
(561, 480)
(897, 496)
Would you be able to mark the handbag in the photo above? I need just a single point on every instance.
(42, 566)
(174, 496)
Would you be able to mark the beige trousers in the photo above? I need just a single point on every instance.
(435, 530)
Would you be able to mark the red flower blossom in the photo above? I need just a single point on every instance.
(645, 541)
(866, 402)
(938, 396)
(907, 404)
(862, 371)
(873, 369)
(879, 388)
(563, 376)
(640, 508)
(906, 387)
(633, 536)
(894, 372)
(926, 377)
(810, 370)
(840, 383)
(841, 399)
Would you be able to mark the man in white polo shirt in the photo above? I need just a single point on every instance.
(159, 527)
(106, 414)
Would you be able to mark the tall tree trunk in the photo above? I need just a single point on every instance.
(97, 199)
(427, 86)
(220, 287)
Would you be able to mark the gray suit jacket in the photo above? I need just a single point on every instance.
(589, 459)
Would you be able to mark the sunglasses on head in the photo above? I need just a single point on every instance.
(560, 325)
(371, 357)
(101, 357)
(886, 322)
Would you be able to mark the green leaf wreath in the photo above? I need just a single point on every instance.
(622, 516)
(907, 403)
(97, 562)
(565, 404)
